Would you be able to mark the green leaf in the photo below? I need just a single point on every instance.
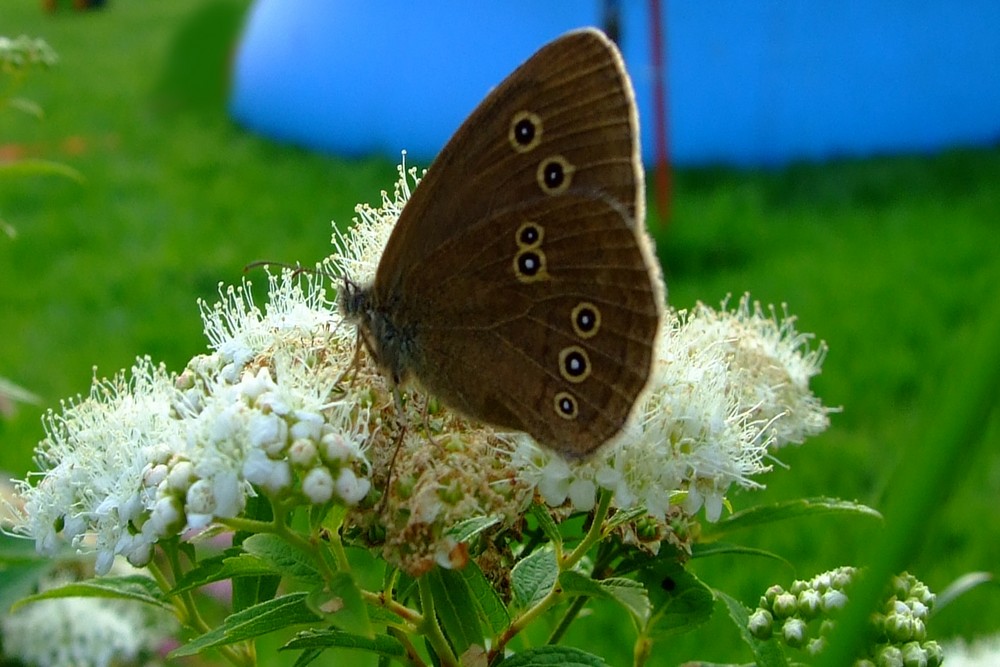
(705, 549)
(553, 656)
(625, 516)
(630, 594)
(463, 531)
(323, 639)
(453, 603)
(34, 167)
(24, 105)
(307, 657)
(545, 522)
(961, 586)
(791, 509)
(767, 653)
(254, 589)
(222, 567)
(253, 622)
(680, 601)
(626, 592)
(533, 577)
(133, 587)
(344, 604)
(491, 608)
(286, 559)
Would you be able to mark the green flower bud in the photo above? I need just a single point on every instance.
(889, 656)
(914, 656)
(767, 601)
(794, 632)
(935, 656)
(809, 602)
(761, 624)
(899, 628)
(785, 606)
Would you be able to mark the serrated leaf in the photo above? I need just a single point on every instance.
(767, 653)
(344, 604)
(221, 568)
(533, 577)
(453, 603)
(545, 522)
(286, 559)
(323, 639)
(626, 592)
(552, 656)
(463, 531)
(491, 608)
(790, 509)
(133, 587)
(254, 621)
(630, 594)
(679, 600)
(705, 549)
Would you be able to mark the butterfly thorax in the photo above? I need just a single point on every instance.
(389, 344)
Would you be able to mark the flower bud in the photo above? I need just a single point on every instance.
(785, 605)
(935, 656)
(808, 603)
(914, 656)
(317, 485)
(832, 600)
(889, 656)
(761, 624)
(302, 453)
(899, 627)
(794, 632)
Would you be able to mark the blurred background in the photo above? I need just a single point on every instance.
(843, 158)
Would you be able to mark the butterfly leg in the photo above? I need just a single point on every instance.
(397, 445)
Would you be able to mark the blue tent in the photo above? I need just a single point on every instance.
(749, 83)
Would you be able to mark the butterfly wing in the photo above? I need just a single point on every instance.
(519, 270)
(578, 93)
(545, 324)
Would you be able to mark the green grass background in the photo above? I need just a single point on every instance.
(890, 260)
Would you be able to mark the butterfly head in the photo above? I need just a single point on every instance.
(389, 344)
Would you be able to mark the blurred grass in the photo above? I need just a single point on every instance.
(890, 260)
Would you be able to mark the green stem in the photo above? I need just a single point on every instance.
(430, 628)
(411, 651)
(593, 535)
(187, 611)
(575, 608)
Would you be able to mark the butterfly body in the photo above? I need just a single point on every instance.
(517, 285)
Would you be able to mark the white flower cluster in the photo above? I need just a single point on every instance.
(150, 455)
(85, 632)
(726, 386)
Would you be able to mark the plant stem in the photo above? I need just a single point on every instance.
(568, 618)
(593, 535)
(430, 628)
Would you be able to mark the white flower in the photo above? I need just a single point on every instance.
(149, 455)
(358, 252)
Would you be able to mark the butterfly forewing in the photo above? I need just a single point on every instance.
(517, 285)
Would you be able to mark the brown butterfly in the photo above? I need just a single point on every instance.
(518, 285)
